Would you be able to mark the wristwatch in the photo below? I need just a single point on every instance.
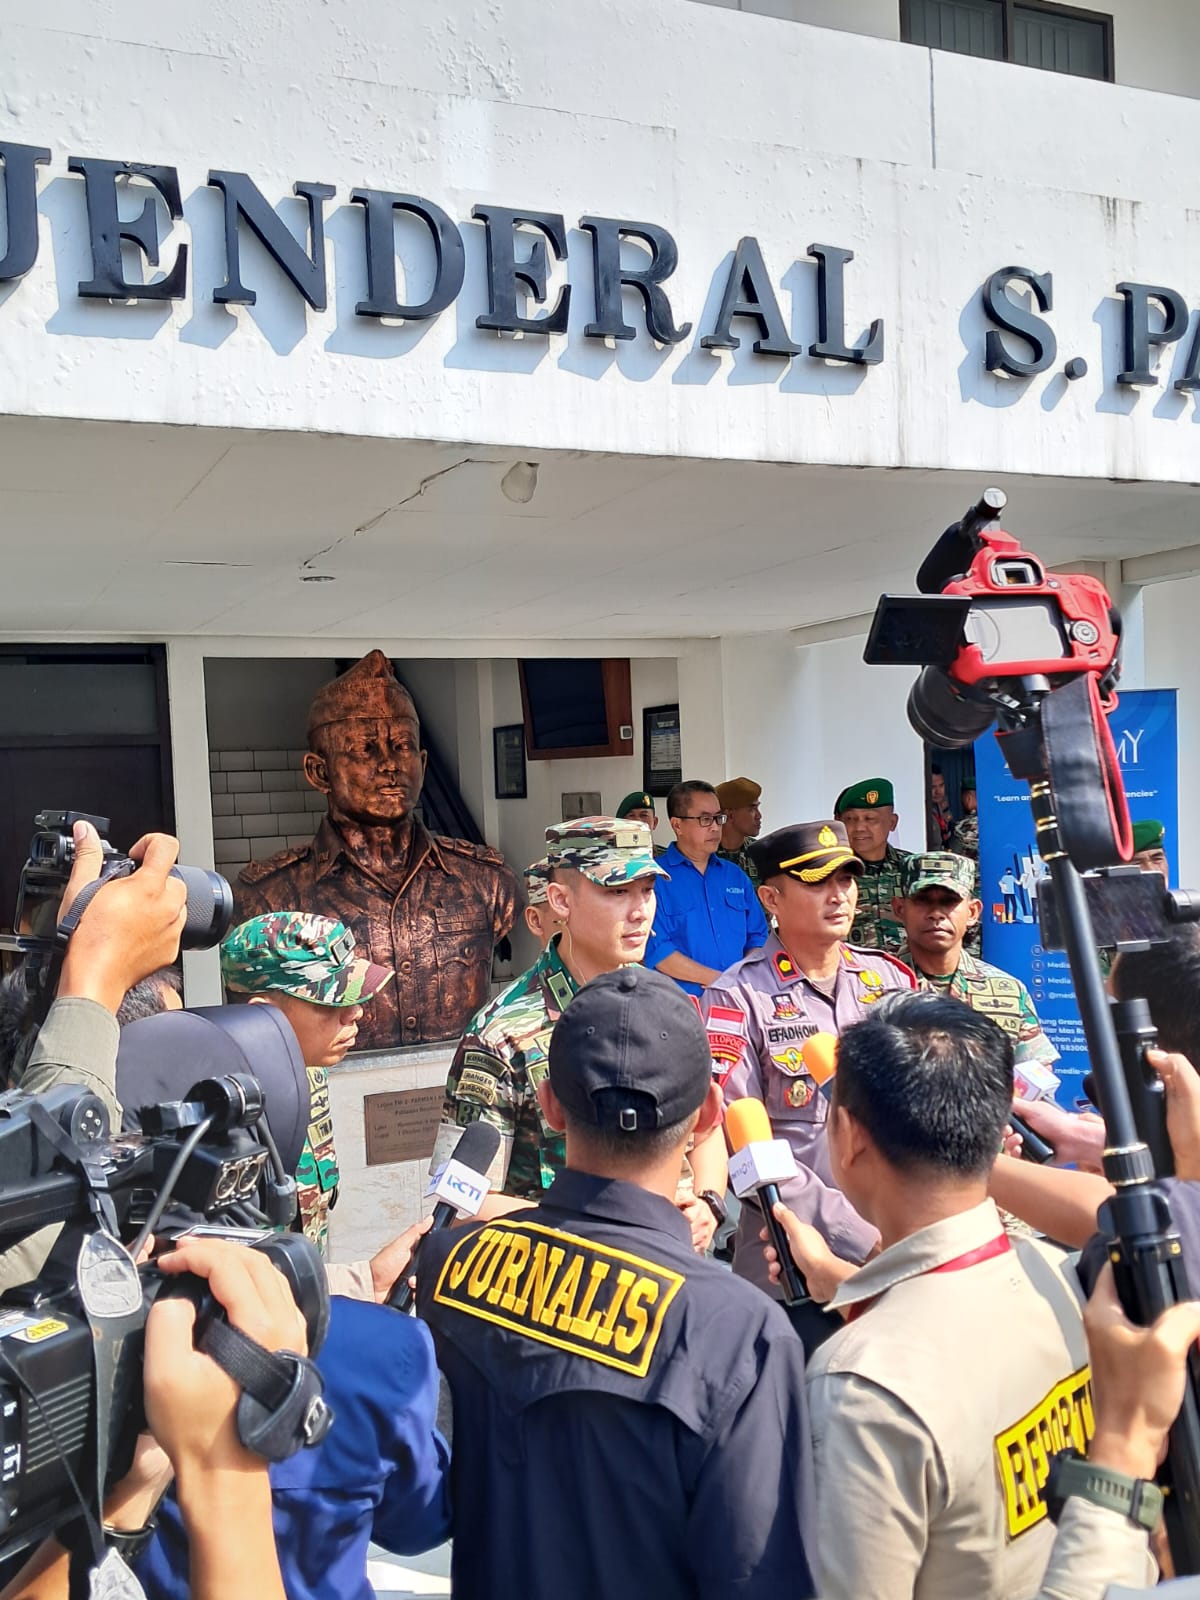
(716, 1205)
(1073, 1475)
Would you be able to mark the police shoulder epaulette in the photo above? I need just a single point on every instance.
(873, 957)
(256, 871)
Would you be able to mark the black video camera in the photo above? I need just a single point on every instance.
(71, 1398)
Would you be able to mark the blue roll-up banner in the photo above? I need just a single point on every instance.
(1144, 732)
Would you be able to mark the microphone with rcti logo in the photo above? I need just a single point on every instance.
(460, 1186)
(759, 1164)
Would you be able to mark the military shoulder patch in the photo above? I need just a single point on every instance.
(557, 1289)
(1064, 1419)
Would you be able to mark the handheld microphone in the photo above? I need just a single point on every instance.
(759, 1164)
(460, 1185)
(1033, 1146)
(819, 1055)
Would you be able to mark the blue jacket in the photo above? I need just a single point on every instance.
(381, 1473)
(712, 916)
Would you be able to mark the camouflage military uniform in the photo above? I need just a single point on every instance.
(997, 995)
(966, 836)
(504, 1054)
(313, 959)
(497, 1067)
(965, 842)
(875, 924)
(434, 926)
(741, 858)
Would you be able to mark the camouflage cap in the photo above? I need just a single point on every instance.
(608, 850)
(867, 795)
(537, 876)
(297, 953)
(940, 869)
(1148, 834)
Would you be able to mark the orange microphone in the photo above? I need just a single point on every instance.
(819, 1055)
(759, 1164)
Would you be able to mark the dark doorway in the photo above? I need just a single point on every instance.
(85, 730)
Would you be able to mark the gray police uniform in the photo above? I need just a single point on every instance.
(758, 1015)
(633, 1418)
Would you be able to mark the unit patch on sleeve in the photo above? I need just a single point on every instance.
(726, 1027)
(585, 1298)
(1062, 1420)
(474, 1084)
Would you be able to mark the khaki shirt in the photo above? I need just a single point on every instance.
(1096, 1547)
(935, 1411)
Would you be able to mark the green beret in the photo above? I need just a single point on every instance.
(639, 800)
(1148, 834)
(967, 783)
(870, 793)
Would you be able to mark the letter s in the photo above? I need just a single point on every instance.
(1011, 315)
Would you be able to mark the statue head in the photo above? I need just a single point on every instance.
(364, 745)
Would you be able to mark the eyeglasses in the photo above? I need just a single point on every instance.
(708, 819)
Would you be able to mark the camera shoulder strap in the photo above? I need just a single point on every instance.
(1085, 775)
(281, 1409)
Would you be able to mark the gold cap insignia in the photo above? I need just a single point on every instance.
(872, 796)
(827, 837)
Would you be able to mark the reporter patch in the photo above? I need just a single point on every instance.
(1064, 1419)
(585, 1298)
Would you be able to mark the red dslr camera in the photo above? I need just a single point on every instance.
(989, 612)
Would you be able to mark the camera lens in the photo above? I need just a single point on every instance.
(941, 715)
(209, 908)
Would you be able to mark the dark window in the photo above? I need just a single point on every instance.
(1054, 38)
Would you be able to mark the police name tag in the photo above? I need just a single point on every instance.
(579, 1296)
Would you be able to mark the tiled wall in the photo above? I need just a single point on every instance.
(260, 803)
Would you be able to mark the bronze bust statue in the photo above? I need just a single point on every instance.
(429, 907)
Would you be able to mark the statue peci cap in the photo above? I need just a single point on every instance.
(369, 690)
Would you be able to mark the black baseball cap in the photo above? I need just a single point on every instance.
(630, 1052)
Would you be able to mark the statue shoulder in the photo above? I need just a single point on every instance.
(473, 852)
(258, 871)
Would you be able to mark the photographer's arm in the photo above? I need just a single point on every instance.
(1058, 1203)
(129, 930)
(191, 1404)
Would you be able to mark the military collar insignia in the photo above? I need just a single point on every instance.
(785, 966)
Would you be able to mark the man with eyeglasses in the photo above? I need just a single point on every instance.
(708, 915)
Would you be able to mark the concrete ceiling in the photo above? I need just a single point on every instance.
(122, 530)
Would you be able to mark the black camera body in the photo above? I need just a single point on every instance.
(71, 1341)
(52, 855)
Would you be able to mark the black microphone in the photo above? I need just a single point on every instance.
(460, 1185)
(959, 545)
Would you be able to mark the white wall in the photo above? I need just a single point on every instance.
(935, 174)
(881, 18)
(806, 720)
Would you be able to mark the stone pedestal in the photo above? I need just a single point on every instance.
(376, 1202)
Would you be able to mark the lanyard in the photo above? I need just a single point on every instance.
(998, 1246)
